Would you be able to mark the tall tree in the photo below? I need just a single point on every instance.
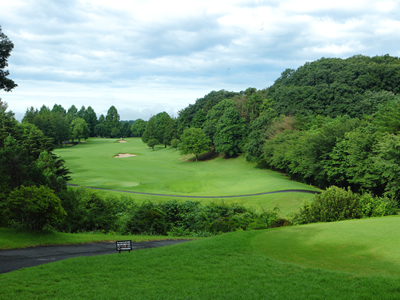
(90, 119)
(112, 120)
(194, 141)
(138, 127)
(230, 134)
(6, 47)
(81, 112)
(79, 129)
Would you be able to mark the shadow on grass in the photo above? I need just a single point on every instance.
(206, 156)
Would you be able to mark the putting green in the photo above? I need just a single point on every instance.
(367, 246)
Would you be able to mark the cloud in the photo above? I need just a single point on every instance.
(144, 55)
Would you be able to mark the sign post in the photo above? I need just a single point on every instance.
(123, 246)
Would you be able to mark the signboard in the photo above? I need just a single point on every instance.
(123, 246)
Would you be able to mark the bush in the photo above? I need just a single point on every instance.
(149, 219)
(377, 206)
(34, 207)
(175, 143)
(333, 204)
(89, 211)
(336, 204)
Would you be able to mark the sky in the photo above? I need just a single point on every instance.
(145, 57)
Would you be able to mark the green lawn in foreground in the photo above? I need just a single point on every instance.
(367, 246)
(165, 171)
(231, 266)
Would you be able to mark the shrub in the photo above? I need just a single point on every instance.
(377, 206)
(148, 218)
(175, 143)
(333, 204)
(89, 211)
(34, 207)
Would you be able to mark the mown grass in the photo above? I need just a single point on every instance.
(165, 171)
(367, 246)
(22, 238)
(231, 266)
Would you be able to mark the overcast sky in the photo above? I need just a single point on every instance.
(148, 56)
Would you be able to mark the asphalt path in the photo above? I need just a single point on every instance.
(14, 259)
(184, 196)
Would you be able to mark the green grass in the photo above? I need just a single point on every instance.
(367, 246)
(165, 171)
(22, 238)
(231, 266)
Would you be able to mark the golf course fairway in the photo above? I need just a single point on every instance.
(165, 171)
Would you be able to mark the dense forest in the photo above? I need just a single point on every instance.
(330, 122)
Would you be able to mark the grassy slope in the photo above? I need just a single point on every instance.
(367, 246)
(232, 266)
(164, 171)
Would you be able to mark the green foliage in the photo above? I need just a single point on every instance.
(152, 143)
(88, 211)
(333, 86)
(386, 158)
(6, 47)
(79, 129)
(138, 128)
(194, 141)
(333, 204)
(115, 132)
(387, 118)
(377, 206)
(148, 219)
(175, 143)
(230, 133)
(213, 116)
(337, 204)
(100, 130)
(90, 118)
(111, 120)
(34, 207)
(126, 130)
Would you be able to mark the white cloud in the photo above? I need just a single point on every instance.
(146, 55)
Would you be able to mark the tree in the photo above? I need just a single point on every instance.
(194, 141)
(151, 143)
(59, 108)
(91, 119)
(112, 120)
(6, 47)
(34, 207)
(100, 130)
(231, 130)
(213, 116)
(138, 127)
(81, 112)
(115, 132)
(125, 130)
(79, 129)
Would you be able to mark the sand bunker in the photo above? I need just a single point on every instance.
(120, 155)
(122, 141)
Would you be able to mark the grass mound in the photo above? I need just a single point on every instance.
(367, 246)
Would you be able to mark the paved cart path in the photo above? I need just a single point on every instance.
(15, 259)
(184, 196)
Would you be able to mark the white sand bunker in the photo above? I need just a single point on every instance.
(120, 155)
(122, 141)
